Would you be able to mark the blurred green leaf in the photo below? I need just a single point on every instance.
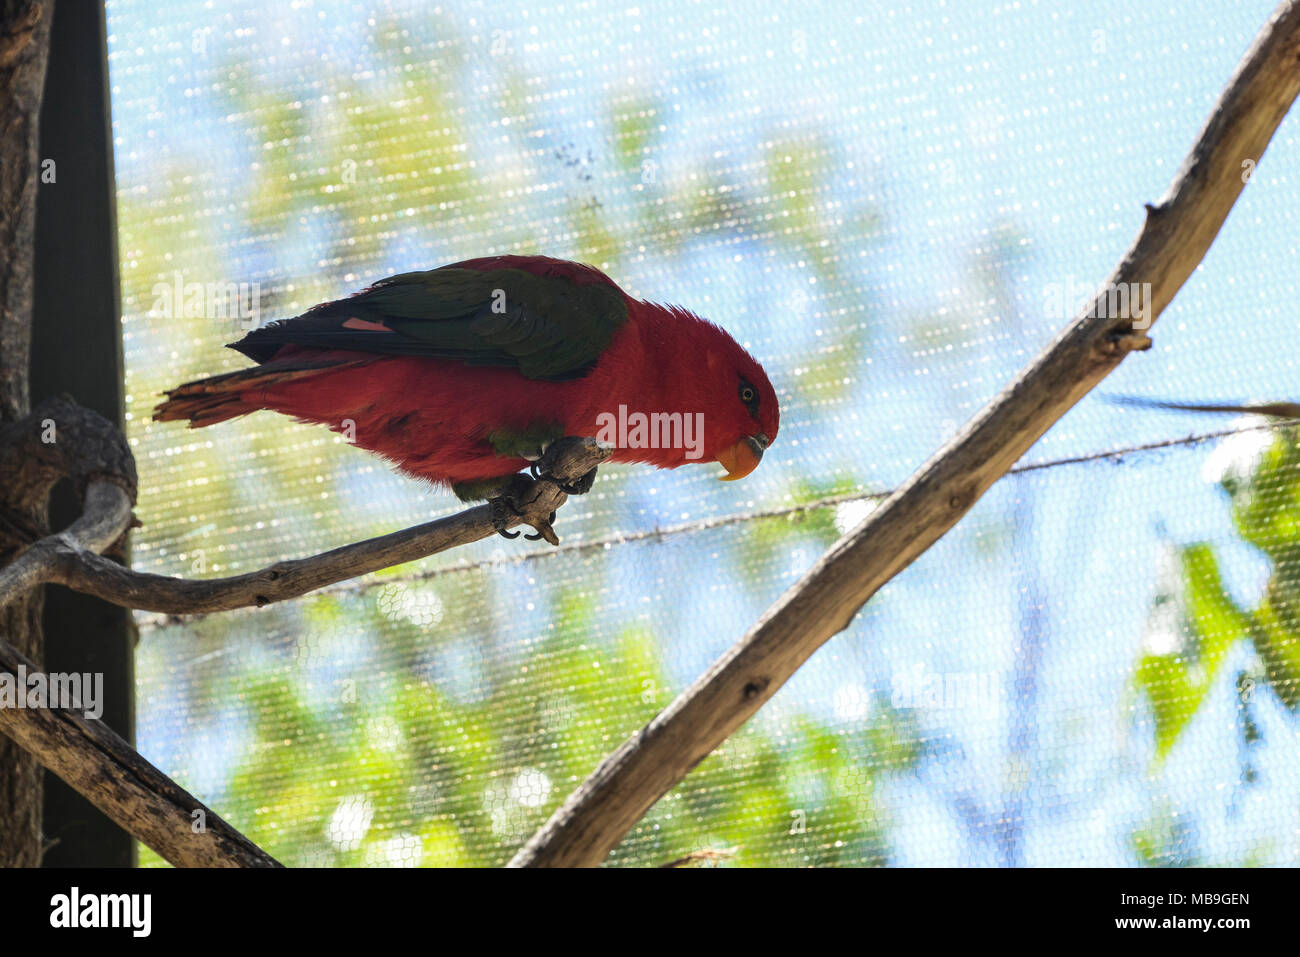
(1176, 683)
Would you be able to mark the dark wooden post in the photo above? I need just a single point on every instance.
(77, 349)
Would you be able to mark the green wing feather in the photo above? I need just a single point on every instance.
(546, 326)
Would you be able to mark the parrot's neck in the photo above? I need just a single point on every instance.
(651, 380)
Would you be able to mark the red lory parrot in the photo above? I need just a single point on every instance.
(466, 374)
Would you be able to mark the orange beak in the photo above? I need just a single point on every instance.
(743, 457)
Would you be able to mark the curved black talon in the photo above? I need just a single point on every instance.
(498, 508)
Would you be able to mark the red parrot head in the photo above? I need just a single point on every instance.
(743, 415)
(748, 423)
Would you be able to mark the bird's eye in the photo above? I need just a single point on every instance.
(749, 397)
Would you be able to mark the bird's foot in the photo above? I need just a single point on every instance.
(509, 505)
(514, 499)
(501, 512)
(541, 469)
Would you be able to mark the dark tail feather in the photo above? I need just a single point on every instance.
(1281, 410)
(221, 397)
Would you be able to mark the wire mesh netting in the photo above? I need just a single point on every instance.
(894, 210)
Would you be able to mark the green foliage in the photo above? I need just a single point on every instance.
(636, 131)
(1277, 638)
(392, 769)
(1266, 511)
(1166, 839)
(1176, 682)
(1265, 502)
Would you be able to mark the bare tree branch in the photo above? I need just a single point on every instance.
(85, 752)
(60, 439)
(106, 517)
(62, 559)
(1175, 237)
(138, 797)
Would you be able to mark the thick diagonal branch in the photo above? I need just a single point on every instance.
(139, 798)
(1175, 237)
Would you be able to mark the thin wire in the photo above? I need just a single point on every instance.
(658, 533)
